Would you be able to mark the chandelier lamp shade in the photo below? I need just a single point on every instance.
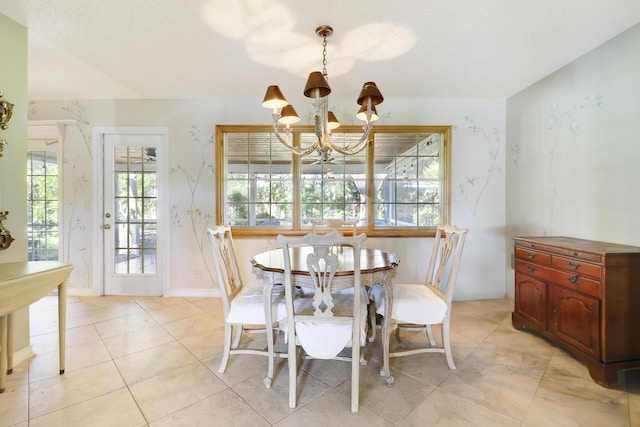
(318, 89)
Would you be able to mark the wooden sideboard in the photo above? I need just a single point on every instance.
(584, 296)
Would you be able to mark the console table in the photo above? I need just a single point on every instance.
(21, 284)
(584, 296)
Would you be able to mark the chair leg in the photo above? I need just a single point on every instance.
(292, 360)
(228, 331)
(398, 335)
(446, 343)
(432, 340)
(372, 319)
(363, 360)
(236, 341)
(355, 377)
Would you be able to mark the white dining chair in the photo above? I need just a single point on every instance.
(421, 306)
(244, 308)
(322, 324)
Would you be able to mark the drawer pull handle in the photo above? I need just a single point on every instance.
(573, 265)
(531, 268)
(573, 279)
(531, 255)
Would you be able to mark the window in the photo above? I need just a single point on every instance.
(42, 205)
(398, 186)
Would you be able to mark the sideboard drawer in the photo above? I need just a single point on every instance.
(572, 265)
(537, 257)
(569, 280)
(579, 283)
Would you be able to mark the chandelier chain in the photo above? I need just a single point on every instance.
(324, 55)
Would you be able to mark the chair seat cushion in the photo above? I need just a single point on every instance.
(248, 306)
(322, 339)
(411, 304)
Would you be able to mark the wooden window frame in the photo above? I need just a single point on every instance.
(370, 230)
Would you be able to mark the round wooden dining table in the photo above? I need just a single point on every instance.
(376, 267)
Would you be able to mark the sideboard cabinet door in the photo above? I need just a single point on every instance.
(531, 299)
(577, 320)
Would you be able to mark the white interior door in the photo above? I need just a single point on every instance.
(134, 218)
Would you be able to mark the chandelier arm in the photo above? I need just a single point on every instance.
(353, 148)
(299, 151)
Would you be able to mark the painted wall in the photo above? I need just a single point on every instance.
(477, 182)
(573, 153)
(13, 163)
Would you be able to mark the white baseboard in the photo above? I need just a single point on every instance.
(81, 292)
(23, 355)
(206, 293)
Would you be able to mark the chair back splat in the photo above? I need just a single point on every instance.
(445, 260)
(225, 264)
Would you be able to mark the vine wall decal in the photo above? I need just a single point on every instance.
(75, 222)
(198, 218)
(473, 187)
(559, 121)
(80, 185)
(515, 154)
(75, 111)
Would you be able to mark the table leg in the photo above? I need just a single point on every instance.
(386, 326)
(62, 323)
(3, 353)
(9, 343)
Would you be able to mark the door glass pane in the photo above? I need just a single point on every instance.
(42, 205)
(135, 210)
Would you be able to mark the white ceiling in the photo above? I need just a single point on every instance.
(97, 49)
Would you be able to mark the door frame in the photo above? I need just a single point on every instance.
(98, 200)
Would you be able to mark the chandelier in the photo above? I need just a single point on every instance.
(325, 121)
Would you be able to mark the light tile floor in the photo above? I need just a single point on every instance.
(143, 361)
